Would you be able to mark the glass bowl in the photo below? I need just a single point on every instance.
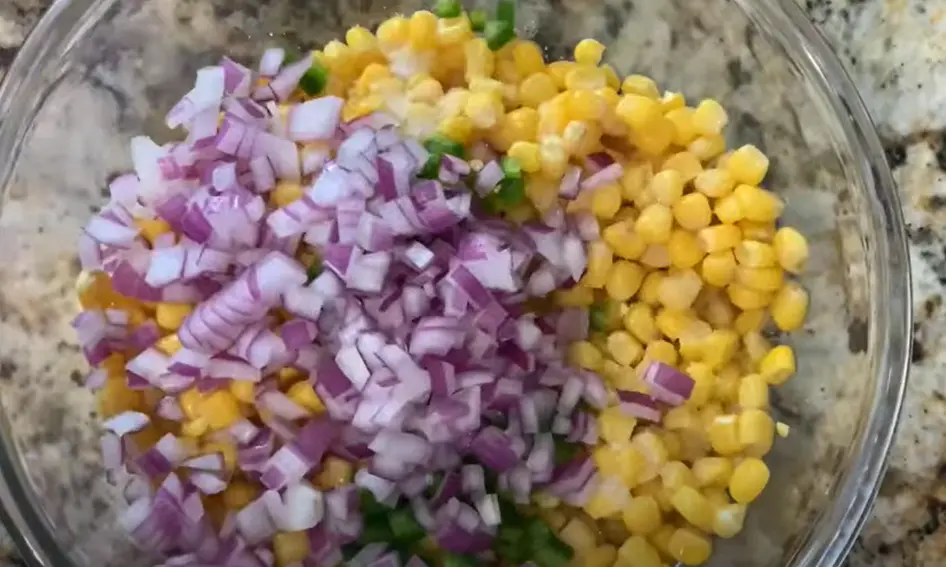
(96, 72)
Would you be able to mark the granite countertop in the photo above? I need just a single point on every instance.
(896, 52)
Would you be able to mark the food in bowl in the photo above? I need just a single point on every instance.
(423, 297)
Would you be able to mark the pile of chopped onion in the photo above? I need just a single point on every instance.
(414, 333)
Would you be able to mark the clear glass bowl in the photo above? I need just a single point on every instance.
(96, 72)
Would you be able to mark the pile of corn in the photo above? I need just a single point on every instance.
(689, 270)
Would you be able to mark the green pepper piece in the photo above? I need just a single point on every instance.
(539, 532)
(376, 529)
(457, 560)
(565, 452)
(506, 12)
(478, 20)
(511, 191)
(405, 527)
(314, 80)
(448, 8)
(511, 167)
(598, 317)
(552, 553)
(498, 33)
(314, 270)
(438, 144)
(431, 169)
(350, 550)
(370, 506)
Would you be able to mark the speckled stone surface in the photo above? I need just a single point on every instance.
(894, 49)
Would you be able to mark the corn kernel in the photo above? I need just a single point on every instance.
(689, 547)
(615, 426)
(656, 256)
(536, 89)
(791, 249)
(423, 30)
(716, 309)
(653, 138)
(693, 506)
(219, 408)
(152, 228)
(638, 552)
(673, 323)
(661, 538)
(190, 399)
(453, 31)
(171, 316)
(527, 56)
(457, 128)
(720, 347)
(753, 392)
(636, 181)
(707, 147)
(600, 260)
(778, 365)
(243, 390)
(558, 71)
(606, 201)
(239, 493)
(748, 165)
(290, 547)
(667, 187)
(719, 268)
(360, 39)
(642, 515)
(650, 289)
(601, 556)
(789, 307)
(429, 90)
(679, 289)
(754, 254)
(624, 279)
(577, 296)
(588, 52)
(639, 321)
(585, 77)
(760, 231)
(723, 434)
(684, 249)
(624, 348)
(579, 535)
(640, 85)
(729, 520)
(712, 471)
(554, 157)
(719, 237)
(728, 209)
(527, 153)
(750, 320)
(480, 60)
(285, 193)
(195, 428)
(758, 204)
(335, 473)
(745, 297)
(782, 429)
(709, 117)
(483, 110)
(638, 111)
(624, 240)
(585, 355)
(703, 380)
(672, 101)
(621, 461)
(685, 163)
(659, 351)
(585, 105)
(692, 211)
(654, 224)
(756, 432)
(715, 183)
(169, 344)
(748, 480)
(304, 395)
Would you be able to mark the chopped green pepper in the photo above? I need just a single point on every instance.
(314, 80)
(370, 506)
(405, 527)
(511, 168)
(539, 532)
(565, 452)
(438, 144)
(552, 553)
(431, 169)
(448, 8)
(457, 560)
(350, 550)
(512, 191)
(498, 33)
(478, 20)
(314, 270)
(506, 12)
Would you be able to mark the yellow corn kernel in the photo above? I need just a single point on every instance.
(753, 392)
(650, 289)
(581, 137)
(712, 471)
(621, 461)
(527, 153)
(546, 501)
(239, 493)
(195, 428)
(527, 56)
(748, 165)
(782, 429)
(486, 85)
(428, 90)
(685, 163)
(606, 201)
(719, 237)
(684, 249)
(703, 381)
(756, 432)
(585, 355)
(169, 344)
(709, 117)
(653, 138)
(720, 347)
(290, 547)
(728, 209)
(484, 110)
(577, 296)
(719, 268)
(304, 395)
(717, 495)
(357, 107)
(673, 323)
(607, 499)
(791, 249)
(729, 520)
(453, 31)
(758, 204)
(615, 426)
(641, 515)
(748, 480)
(360, 39)
(693, 506)
(243, 390)
(219, 408)
(750, 320)
(656, 256)
(638, 552)
(789, 307)
(654, 224)
(558, 70)
(480, 60)
(672, 101)
(778, 365)
(659, 351)
(754, 254)
(624, 240)
(715, 183)
(289, 375)
(520, 125)
(584, 105)
(554, 156)
(589, 52)
(579, 535)
(692, 211)
(636, 181)
(457, 128)
(683, 130)
(285, 193)
(601, 556)
(335, 473)
(640, 85)
(716, 309)
(422, 30)
(667, 186)
(652, 448)
(707, 147)
(689, 547)
(600, 259)
(679, 289)
(639, 321)
(624, 279)
(760, 279)
(638, 111)
(152, 228)
(585, 77)
(190, 400)
(674, 447)
(624, 348)
(675, 475)
(170, 316)
(759, 231)
(723, 434)
(661, 538)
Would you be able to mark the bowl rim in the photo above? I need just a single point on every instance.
(784, 22)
